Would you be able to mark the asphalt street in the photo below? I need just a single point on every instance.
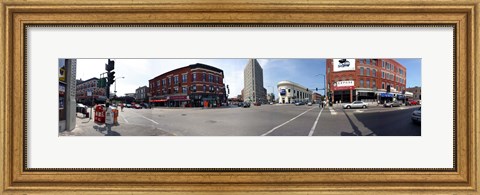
(265, 120)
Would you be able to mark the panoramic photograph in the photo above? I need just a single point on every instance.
(240, 97)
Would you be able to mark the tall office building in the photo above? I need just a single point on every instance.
(253, 90)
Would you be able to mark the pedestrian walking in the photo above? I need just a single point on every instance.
(108, 118)
(121, 106)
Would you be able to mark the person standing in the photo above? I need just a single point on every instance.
(108, 118)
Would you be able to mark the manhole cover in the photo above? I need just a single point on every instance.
(184, 114)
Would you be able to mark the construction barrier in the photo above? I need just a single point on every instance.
(115, 116)
(99, 114)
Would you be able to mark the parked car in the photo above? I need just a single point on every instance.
(309, 103)
(413, 102)
(145, 105)
(257, 104)
(392, 104)
(240, 104)
(81, 108)
(137, 106)
(355, 104)
(246, 104)
(128, 105)
(417, 116)
(299, 103)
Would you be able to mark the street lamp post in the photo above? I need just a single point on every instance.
(115, 91)
(324, 85)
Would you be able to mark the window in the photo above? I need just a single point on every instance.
(194, 75)
(383, 64)
(204, 77)
(175, 89)
(158, 83)
(374, 62)
(374, 73)
(204, 87)
(374, 84)
(368, 83)
(361, 70)
(184, 89)
(383, 75)
(163, 82)
(175, 79)
(210, 78)
(216, 79)
(368, 61)
(169, 80)
(368, 71)
(288, 90)
(184, 78)
(383, 85)
(328, 70)
(361, 83)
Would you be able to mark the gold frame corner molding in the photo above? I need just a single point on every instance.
(17, 15)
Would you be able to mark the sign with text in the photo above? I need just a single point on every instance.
(343, 65)
(344, 85)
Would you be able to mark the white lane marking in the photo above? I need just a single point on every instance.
(332, 111)
(286, 122)
(147, 118)
(315, 124)
(124, 119)
(358, 110)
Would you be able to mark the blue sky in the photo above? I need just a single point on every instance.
(137, 72)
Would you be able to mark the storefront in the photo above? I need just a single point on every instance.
(178, 100)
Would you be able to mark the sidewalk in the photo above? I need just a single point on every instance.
(88, 127)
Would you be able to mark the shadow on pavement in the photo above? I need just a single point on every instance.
(103, 129)
(394, 123)
(356, 131)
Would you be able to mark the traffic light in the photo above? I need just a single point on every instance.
(111, 77)
(110, 65)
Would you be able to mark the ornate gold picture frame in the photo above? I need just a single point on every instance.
(16, 15)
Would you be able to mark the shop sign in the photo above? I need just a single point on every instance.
(283, 92)
(344, 85)
(178, 97)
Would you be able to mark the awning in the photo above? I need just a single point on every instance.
(163, 100)
(386, 95)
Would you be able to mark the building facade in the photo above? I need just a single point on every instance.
(196, 85)
(141, 94)
(97, 96)
(290, 92)
(316, 97)
(366, 80)
(416, 92)
(253, 90)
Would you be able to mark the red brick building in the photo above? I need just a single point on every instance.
(365, 79)
(195, 85)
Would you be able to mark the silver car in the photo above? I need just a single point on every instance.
(417, 116)
(355, 104)
(392, 104)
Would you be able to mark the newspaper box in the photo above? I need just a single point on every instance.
(99, 114)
